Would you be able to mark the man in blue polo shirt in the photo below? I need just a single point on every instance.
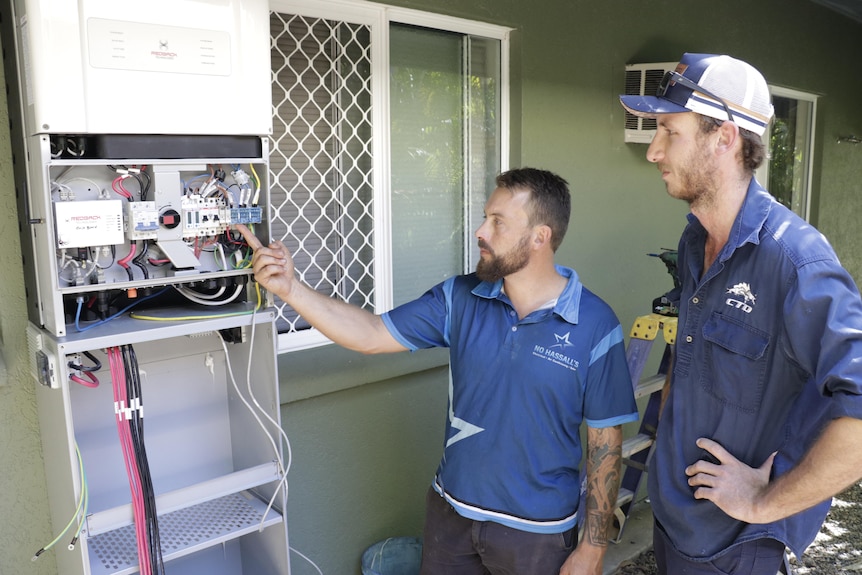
(533, 354)
(763, 422)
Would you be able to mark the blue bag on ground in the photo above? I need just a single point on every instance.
(393, 556)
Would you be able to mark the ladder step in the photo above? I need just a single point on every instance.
(648, 385)
(636, 444)
(624, 496)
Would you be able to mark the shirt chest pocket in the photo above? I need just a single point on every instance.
(735, 359)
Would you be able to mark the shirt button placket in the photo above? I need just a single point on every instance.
(684, 355)
(693, 316)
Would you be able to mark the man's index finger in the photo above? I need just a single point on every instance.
(250, 238)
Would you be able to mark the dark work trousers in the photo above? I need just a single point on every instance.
(455, 545)
(758, 557)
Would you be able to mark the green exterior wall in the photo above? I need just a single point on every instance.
(367, 432)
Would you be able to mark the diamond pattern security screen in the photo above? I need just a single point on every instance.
(321, 160)
(389, 125)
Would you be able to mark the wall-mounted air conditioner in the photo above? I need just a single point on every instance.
(643, 79)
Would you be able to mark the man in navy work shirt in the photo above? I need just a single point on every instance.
(762, 422)
(533, 354)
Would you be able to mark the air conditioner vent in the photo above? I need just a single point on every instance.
(633, 82)
(652, 80)
(643, 79)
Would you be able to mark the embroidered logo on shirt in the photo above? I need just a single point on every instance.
(552, 354)
(562, 341)
(741, 290)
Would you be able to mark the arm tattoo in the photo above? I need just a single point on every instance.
(604, 454)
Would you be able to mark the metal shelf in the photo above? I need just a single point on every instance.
(127, 330)
(183, 532)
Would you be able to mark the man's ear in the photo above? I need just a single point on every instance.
(541, 236)
(728, 138)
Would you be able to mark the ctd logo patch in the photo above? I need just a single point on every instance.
(741, 297)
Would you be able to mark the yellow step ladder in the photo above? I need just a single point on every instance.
(637, 450)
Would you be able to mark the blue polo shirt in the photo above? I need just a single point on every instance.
(768, 352)
(518, 392)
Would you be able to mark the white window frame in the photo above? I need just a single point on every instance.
(378, 18)
(762, 173)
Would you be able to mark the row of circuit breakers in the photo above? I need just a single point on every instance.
(176, 227)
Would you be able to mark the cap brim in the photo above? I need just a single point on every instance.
(649, 106)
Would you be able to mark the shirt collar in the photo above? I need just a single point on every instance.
(749, 221)
(568, 302)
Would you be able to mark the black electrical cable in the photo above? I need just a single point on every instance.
(95, 257)
(145, 191)
(134, 391)
(153, 536)
(137, 176)
(140, 259)
(97, 365)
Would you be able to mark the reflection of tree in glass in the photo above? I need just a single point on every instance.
(784, 156)
(445, 150)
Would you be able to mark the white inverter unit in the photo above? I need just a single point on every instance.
(171, 67)
(643, 80)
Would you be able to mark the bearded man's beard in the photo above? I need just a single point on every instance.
(497, 267)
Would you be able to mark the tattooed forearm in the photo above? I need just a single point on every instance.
(604, 453)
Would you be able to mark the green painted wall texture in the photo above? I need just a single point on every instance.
(367, 432)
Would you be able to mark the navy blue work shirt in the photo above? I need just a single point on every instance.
(519, 390)
(768, 352)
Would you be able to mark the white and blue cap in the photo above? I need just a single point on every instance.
(716, 86)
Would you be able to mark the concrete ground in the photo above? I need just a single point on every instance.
(637, 538)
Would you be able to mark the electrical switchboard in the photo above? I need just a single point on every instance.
(140, 140)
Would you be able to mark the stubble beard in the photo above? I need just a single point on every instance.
(696, 180)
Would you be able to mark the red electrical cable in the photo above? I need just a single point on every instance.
(121, 407)
(125, 261)
(117, 186)
(93, 380)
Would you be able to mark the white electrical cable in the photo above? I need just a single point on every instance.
(215, 295)
(245, 402)
(197, 298)
(64, 192)
(101, 252)
(313, 564)
(269, 436)
(220, 252)
(81, 272)
(101, 191)
(283, 482)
